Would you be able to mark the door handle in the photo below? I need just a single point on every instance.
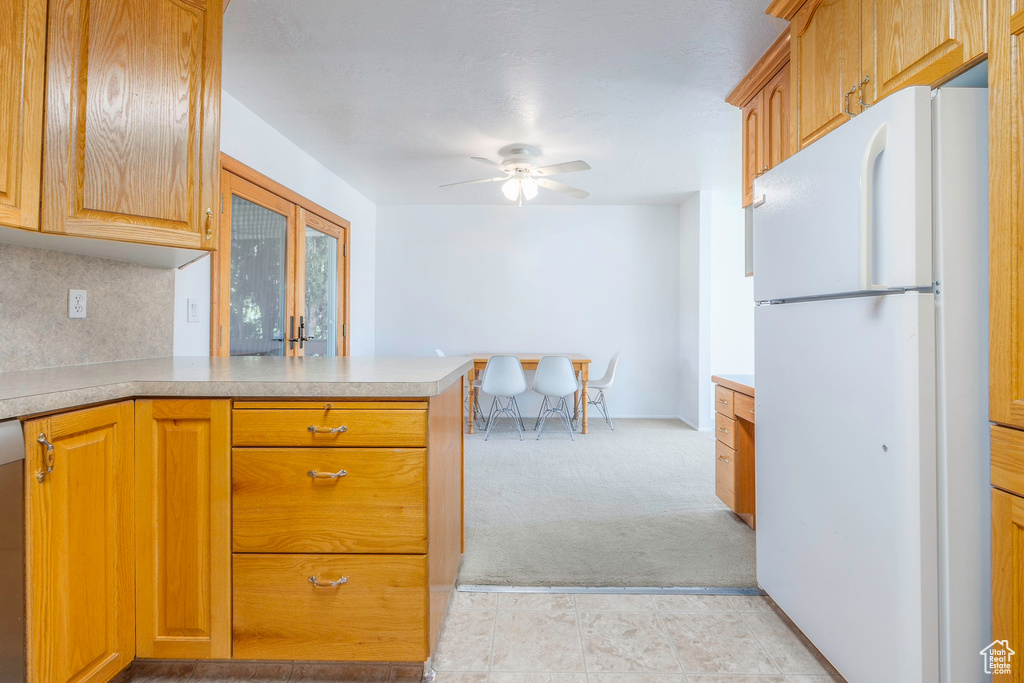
(48, 460)
(860, 93)
(876, 145)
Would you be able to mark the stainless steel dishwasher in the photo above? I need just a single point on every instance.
(12, 552)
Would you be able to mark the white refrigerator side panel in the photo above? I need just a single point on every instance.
(846, 504)
(808, 234)
(960, 175)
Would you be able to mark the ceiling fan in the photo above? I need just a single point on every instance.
(523, 178)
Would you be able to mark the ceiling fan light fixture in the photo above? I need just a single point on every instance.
(529, 188)
(510, 189)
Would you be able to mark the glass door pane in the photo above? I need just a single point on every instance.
(321, 293)
(259, 256)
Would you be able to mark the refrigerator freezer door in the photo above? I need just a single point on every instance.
(846, 502)
(852, 211)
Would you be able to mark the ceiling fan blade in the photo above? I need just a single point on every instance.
(563, 188)
(567, 167)
(488, 162)
(482, 180)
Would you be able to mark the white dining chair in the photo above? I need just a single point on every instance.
(555, 380)
(602, 387)
(504, 379)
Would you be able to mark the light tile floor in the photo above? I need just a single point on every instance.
(596, 638)
(581, 638)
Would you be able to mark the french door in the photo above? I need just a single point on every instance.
(280, 276)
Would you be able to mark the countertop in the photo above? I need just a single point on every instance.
(37, 391)
(741, 383)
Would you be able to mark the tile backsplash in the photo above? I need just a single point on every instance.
(130, 310)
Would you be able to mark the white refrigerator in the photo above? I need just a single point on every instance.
(871, 337)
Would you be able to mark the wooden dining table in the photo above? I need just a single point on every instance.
(580, 363)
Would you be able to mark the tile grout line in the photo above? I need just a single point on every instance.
(758, 641)
(579, 632)
(672, 645)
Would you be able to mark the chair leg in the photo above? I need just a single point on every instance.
(519, 413)
(543, 407)
(490, 418)
(604, 411)
(567, 418)
(478, 411)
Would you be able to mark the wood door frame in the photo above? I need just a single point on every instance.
(302, 210)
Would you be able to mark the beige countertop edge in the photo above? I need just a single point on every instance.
(23, 406)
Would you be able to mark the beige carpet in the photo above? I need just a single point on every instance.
(630, 507)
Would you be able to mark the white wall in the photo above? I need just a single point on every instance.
(695, 311)
(587, 279)
(732, 294)
(252, 141)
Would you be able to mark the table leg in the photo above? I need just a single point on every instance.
(586, 380)
(471, 377)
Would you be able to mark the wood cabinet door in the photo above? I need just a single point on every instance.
(131, 139)
(1006, 210)
(918, 42)
(79, 537)
(753, 156)
(183, 528)
(22, 57)
(777, 132)
(825, 57)
(1008, 574)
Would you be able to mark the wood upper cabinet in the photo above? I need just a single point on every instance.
(763, 95)
(183, 528)
(1006, 210)
(79, 535)
(919, 42)
(131, 137)
(753, 153)
(22, 55)
(777, 132)
(826, 62)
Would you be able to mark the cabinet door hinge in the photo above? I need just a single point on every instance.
(222, 203)
(344, 250)
(344, 330)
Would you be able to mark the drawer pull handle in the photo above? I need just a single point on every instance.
(330, 584)
(723, 429)
(327, 475)
(722, 400)
(313, 429)
(723, 458)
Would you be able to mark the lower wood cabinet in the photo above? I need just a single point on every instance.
(183, 528)
(80, 564)
(1008, 575)
(331, 607)
(734, 448)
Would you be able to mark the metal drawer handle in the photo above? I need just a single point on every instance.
(723, 458)
(313, 429)
(332, 584)
(723, 429)
(48, 464)
(327, 475)
(722, 400)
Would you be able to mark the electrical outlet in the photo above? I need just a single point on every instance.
(193, 310)
(77, 303)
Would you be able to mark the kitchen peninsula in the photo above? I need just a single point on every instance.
(238, 508)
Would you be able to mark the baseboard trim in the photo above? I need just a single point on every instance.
(625, 590)
(689, 424)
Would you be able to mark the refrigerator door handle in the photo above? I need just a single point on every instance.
(876, 145)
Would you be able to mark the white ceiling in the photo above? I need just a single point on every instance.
(395, 95)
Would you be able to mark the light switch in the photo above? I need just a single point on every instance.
(77, 303)
(193, 310)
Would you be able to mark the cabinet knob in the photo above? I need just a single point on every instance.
(209, 223)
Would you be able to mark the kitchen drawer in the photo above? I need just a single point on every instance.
(743, 407)
(724, 400)
(1008, 460)
(378, 506)
(379, 614)
(303, 428)
(725, 430)
(725, 475)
